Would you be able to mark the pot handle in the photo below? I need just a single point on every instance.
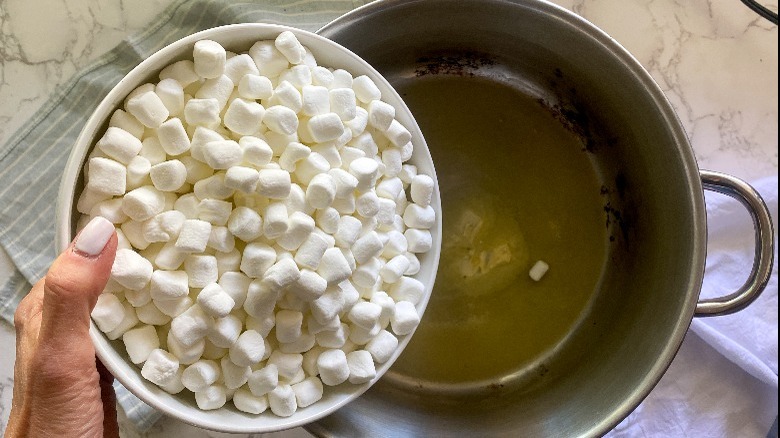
(764, 254)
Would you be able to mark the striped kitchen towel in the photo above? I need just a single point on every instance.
(28, 198)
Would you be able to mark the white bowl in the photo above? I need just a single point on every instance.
(237, 38)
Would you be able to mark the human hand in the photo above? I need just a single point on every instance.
(60, 388)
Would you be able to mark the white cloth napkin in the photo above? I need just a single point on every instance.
(723, 382)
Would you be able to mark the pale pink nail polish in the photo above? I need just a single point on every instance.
(94, 237)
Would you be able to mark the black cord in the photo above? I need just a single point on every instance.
(761, 10)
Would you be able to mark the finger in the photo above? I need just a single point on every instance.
(107, 394)
(27, 322)
(73, 283)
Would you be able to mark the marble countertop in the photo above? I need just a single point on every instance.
(715, 60)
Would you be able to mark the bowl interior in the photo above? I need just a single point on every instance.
(237, 38)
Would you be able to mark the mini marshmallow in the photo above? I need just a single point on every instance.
(215, 301)
(182, 72)
(408, 172)
(110, 209)
(170, 257)
(174, 308)
(173, 138)
(133, 231)
(239, 66)
(300, 226)
(367, 204)
(150, 314)
(365, 142)
(194, 236)
(143, 203)
(382, 346)
(213, 187)
(328, 220)
(385, 214)
(287, 364)
(350, 154)
(328, 305)
(361, 367)
(264, 380)
(316, 100)
(148, 108)
(419, 241)
(308, 392)
(387, 304)
(341, 79)
(281, 119)
(289, 46)
(222, 154)
(406, 151)
(202, 112)
(201, 270)
(221, 239)
(209, 59)
(333, 367)
(293, 153)
(348, 231)
(138, 172)
(421, 190)
(245, 223)
(394, 269)
(126, 122)
(136, 298)
(212, 397)
(171, 93)
(168, 285)
(200, 137)
(256, 259)
(407, 289)
(538, 270)
(252, 86)
(108, 312)
(139, 90)
(244, 117)
(160, 368)
(88, 199)
(282, 401)
(365, 170)
(321, 191)
(398, 134)
(236, 285)
(366, 247)
(301, 345)
(268, 58)
(119, 145)
(245, 401)
(248, 349)
(129, 320)
(365, 89)
(325, 127)
(256, 151)
(358, 124)
(405, 318)
(366, 274)
(200, 375)
(234, 376)
(330, 152)
(311, 166)
(191, 326)
(282, 274)
(261, 325)
(309, 286)
(228, 261)
(214, 211)
(309, 364)
(343, 103)
(416, 216)
(299, 76)
(380, 115)
(311, 251)
(296, 201)
(168, 176)
(321, 76)
(391, 158)
(276, 220)
(365, 314)
(131, 270)
(333, 338)
(389, 188)
(242, 178)
(106, 177)
(274, 183)
(288, 325)
(334, 267)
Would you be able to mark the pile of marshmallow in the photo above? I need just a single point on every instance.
(266, 242)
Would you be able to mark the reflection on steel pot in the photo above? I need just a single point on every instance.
(551, 142)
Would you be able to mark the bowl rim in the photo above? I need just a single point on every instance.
(127, 373)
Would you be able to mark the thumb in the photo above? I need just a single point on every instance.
(74, 281)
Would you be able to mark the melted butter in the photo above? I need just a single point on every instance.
(516, 188)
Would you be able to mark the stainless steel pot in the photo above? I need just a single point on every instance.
(646, 292)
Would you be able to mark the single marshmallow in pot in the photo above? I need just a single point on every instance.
(119, 144)
(419, 241)
(333, 338)
(382, 346)
(173, 137)
(148, 108)
(143, 203)
(245, 223)
(308, 392)
(129, 320)
(361, 367)
(202, 112)
(248, 349)
(256, 259)
(247, 402)
(106, 177)
(343, 103)
(321, 191)
(209, 59)
(171, 93)
(168, 176)
(191, 326)
(405, 318)
(276, 220)
(298, 75)
(244, 117)
(253, 86)
(417, 216)
(311, 251)
(125, 121)
(150, 314)
(289, 46)
(214, 211)
(215, 301)
(264, 380)
(274, 183)
(287, 364)
(201, 374)
(282, 274)
(168, 285)
(315, 100)
(222, 154)
(160, 368)
(234, 375)
(365, 89)
(201, 270)
(407, 289)
(325, 127)
(288, 325)
(293, 153)
(333, 367)
(212, 397)
(298, 230)
(239, 66)
(108, 312)
(282, 401)
(286, 95)
(182, 72)
(269, 60)
(366, 171)
(131, 270)
(242, 178)
(193, 236)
